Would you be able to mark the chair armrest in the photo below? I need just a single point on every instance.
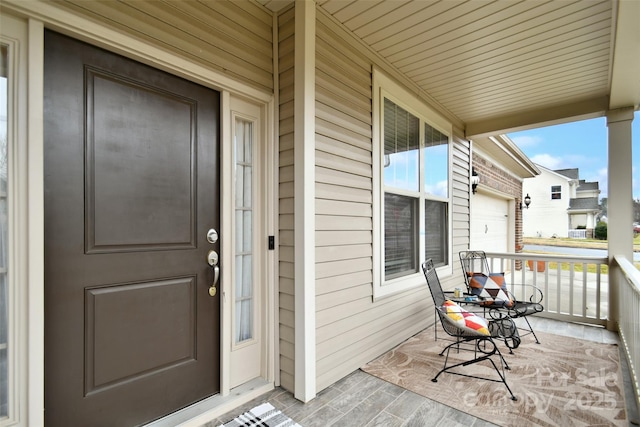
(533, 293)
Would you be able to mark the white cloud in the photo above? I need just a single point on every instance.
(548, 161)
(526, 140)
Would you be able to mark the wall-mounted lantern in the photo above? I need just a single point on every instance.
(475, 180)
(527, 202)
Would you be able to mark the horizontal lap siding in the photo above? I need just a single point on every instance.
(232, 37)
(461, 214)
(351, 329)
(286, 202)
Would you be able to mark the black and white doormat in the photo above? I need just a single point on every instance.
(262, 415)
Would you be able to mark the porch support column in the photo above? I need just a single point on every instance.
(304, 206)
(620, 200)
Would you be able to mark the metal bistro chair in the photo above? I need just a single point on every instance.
(468, 328)
(482, 282)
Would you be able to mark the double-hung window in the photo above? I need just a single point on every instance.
(556, 192)
(413, 203)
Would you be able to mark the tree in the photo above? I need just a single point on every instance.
(603, 206)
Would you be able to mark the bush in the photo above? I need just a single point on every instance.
(600, 231)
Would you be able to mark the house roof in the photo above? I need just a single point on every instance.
(588, 186)
(587, 203)
(557, 174)
(569, 173)
(501, 66)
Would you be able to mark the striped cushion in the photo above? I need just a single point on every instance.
(492, 287)
(462, 319)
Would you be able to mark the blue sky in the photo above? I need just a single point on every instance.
(581, 145)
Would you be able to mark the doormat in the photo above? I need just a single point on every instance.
(262, 415)
(560, 382)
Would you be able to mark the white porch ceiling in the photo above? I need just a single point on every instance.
(505, 65)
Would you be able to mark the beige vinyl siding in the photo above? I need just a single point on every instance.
(286, 248)
(234, 38)
(461, 215)
(352, 329)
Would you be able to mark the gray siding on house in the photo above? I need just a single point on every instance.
(286, 24)
(234, 38)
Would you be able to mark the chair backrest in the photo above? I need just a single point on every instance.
(473, 262)
(439, 298)
(433, 282)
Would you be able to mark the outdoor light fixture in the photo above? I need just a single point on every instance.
(475, 180)
(527, 202)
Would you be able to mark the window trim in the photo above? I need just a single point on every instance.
(558, 192)
(14, 35)
(384, 87)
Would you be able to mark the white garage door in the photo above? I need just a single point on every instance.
(489, 223)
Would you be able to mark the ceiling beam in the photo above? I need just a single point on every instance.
(547, 116)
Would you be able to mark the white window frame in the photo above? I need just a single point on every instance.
(14, 35)
(385, 87)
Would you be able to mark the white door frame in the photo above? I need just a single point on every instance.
(43, 14)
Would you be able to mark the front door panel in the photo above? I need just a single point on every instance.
(131, 189)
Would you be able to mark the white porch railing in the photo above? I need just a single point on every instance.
(578, 234)
(574, 288)
(628, 278)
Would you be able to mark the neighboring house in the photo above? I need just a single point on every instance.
(209, 199)
(496, 216)
(562, 205)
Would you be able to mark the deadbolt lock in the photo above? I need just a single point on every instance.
(212, 258)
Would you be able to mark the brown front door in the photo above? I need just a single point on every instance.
(131, 189)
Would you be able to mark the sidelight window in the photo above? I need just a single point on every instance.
(244, 286)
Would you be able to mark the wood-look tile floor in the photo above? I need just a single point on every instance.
(363, 400)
